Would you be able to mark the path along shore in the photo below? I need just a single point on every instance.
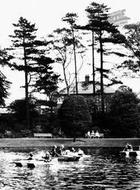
(68, 142)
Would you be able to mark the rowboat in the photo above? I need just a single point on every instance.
(32, 163)
(132, 153)
(67, 158)
(39, 159)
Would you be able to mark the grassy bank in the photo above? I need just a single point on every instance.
(68, 142)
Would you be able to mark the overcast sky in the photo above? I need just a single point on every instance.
(47, 14)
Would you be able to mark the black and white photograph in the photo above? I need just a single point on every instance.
(69, 95)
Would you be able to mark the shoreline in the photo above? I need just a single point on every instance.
(67, 142)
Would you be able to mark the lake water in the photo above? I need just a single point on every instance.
(104, 170)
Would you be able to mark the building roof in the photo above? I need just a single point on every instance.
(87, 88)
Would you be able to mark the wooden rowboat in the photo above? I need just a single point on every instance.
(68, 158)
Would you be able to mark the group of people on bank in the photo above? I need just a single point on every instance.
(94, 134)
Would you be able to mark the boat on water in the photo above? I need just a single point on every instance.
(46, 158)
(130, 152)
(33, 163)
(36, 162)
(72, 156)
(68, 158)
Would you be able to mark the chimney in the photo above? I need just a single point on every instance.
(86, 78)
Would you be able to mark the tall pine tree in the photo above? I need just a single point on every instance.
(105, 33)
(32, 53)
(71, 19)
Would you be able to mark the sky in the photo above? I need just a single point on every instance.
(47, 15)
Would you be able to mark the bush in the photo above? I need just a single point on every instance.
(124, 114)
(74, 116)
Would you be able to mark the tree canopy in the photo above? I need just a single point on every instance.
(124, 112)
(74, 116)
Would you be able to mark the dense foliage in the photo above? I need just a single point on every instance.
(18, 108)
(125, 115)
(74, 116)
(4, 83)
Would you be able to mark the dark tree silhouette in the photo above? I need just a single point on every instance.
(124, 113)
(24, 39)
(74, 116)
(5, 59)
(132, 62)
(18, 108)
(47, 80)
(36, 64)
(105, 33)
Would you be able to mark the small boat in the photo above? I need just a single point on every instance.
(22, 164)
(132, 153)
(66, 158)
(30, 163)
(18, 164)
(128, 151)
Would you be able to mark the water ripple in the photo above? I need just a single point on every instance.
(104, 170)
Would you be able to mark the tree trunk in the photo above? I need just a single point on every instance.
(65, 79)
(26, 91)
(75, 63)
(101, 72)
(93, 63)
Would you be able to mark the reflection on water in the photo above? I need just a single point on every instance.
(104, 170)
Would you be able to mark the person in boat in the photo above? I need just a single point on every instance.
(30, 157)
(60, 150)
(128, 147)
(47, 157)
(80, 152)
(70, 152)
(73, 149)
(53, 151)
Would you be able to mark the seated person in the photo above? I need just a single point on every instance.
(97, 135)
(70, 152)
(72, 149)
(128, 147)
(80, 152)
(92, 134)
(47, 156)
(53, 151)
(67, 152)
(60, 150)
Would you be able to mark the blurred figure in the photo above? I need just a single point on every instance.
(97, 135)
(88, 134)
(53, 151)
(30, 157)
(128, 147)
(80, 152)
(70, 152)
(73, 149)
(60, 150)
(47, 157)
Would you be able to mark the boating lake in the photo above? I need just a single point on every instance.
(104, 170)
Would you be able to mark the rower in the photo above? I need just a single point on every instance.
(128, 147)
(47, 156)
(53, 151)
(80, 152)
(60, 150)
(73, 149)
